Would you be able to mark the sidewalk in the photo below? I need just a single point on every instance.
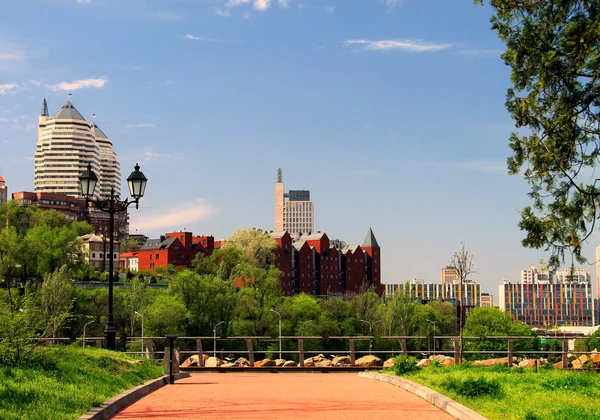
(262, 395)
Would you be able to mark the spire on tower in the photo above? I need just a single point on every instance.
(44, 112)
(279, 175)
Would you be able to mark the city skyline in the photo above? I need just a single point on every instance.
(391, 113)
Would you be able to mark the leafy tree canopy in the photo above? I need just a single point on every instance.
(552, 48)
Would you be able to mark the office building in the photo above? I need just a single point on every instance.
(537, 275)
(294, 210)
(66, 143)
(469, 294)
(486, 300)
(449, 275)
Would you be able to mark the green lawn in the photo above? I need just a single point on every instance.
(64, 382)
(517, 393)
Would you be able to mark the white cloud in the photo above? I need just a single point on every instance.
(262, 5)
(151, 156)
(396, 44)
(142, 125)
(330, 9)
(79, 84)
(6, 87)
(11, 56)
(178, 216)
(236, 3)
(390, 4)
(84, 1)
(284, 3)
(222, 12)
(192, 37)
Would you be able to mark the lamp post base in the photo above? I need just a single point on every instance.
(110, 332)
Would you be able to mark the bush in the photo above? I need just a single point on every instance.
(474, 387)
(405, 364)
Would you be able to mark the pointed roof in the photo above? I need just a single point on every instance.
(370, 240)
(44, 111)
(99, 133)
(68, 112)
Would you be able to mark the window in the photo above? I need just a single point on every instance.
(157, 256)
(93, 255)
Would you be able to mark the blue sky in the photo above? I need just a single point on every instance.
(390, 112)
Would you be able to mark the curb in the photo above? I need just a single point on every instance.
(125, 399)
(442, 402)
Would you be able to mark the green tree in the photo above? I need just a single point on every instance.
(552, 49)
(256, 245)
(55, 299)
(166, 315)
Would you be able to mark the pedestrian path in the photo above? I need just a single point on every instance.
(262, 395)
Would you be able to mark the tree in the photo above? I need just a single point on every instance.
(552, 49)
(462, 262)
(256, 244)
(55, 298)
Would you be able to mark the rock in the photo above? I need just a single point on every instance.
(596, 358)
(241, 362)
(341, 361)
(309, 362)
(279, 362)
(448, 361)
(423, 363)
(492, 362)
(290, 363)
(264, 363)
(558, 365)
(576, 364)
(323, 363)
(389, 363)
(529, 363)
(583, 359)
(213, 362)
(368, 361)
(228, 364)
(191, 361)
(438, 357)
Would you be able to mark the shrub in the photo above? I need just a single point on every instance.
(530, 416)
(405, 364)
(474, 387)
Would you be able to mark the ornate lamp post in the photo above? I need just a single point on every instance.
(112, 204)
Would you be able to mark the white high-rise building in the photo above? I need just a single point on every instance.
(536, 275)
(296, 215)
(3, 191)
(573, 275)
(67, 142)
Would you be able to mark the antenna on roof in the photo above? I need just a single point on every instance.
(279, 175)
(93, 120)
(70, 96)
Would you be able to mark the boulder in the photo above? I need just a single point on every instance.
(341, 361)
(558, 365)
(596, 358)
(191, 361)
(323, 363)
(583, 359)
(448, 361)
(492, 362)
(213, 362)
(290, 363)
(438, 357)
(264, 363)
(576, 364)
(279, 362)
(368, 361)
(228, 364)
(389, 363)
(529, 363)
(309, 362)
(423, 363)
(241, 362)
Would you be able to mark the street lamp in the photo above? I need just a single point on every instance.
(84, 331)
(142, 316)
(433, 337)
(112, 204)
(215, 338)
(272, 310)
(370, 333)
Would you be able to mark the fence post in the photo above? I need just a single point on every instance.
(301, 351)
(200, 352)
(149, 348)
(99, 343)
(511, 350)
(250, 352)
(456, 351)
(565, 353)
(352, 352)
(403, 346)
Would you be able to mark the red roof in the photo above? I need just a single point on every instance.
(1, 179)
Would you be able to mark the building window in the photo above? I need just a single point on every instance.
(93, 255)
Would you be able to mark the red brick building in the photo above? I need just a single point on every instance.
(315, 265)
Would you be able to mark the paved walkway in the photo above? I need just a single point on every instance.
(263, 395)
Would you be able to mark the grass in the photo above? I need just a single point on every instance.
(503, 393)
(64, 382)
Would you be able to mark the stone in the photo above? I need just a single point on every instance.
(558, 365)
(241, 362)
(290, 363)
(279, 362)
(309, 362)
(529, 363)
(341, 361)
(576, 364)
(213, 362)
(438, 357)
(264, 363)
(423, 363)
(191, 361)
(368, 361)
(448, 361)
(226, 365)
(389, 363)
(492, 362)
(583, 359)
(323, 363)
(596, 358)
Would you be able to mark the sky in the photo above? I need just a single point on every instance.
(391, 112)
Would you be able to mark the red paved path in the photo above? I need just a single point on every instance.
(251, 395)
